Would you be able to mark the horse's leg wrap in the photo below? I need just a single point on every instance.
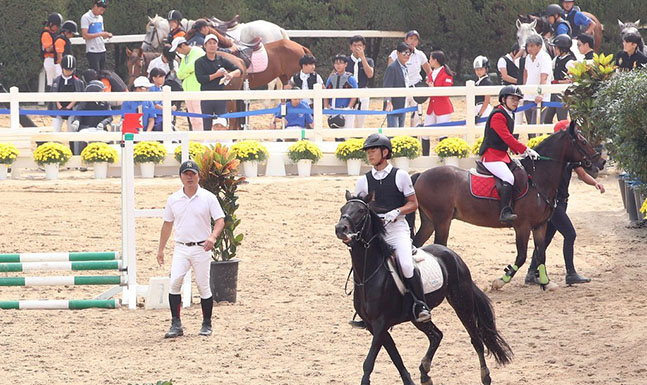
(510, 271)
(543, 275)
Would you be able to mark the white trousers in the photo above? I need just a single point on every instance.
(51, 70)
(57, 123)
(434, 119)
(363, 106)
(193, 106)
(501, 170)
(185, 257)
(485, 114)
(398, 236)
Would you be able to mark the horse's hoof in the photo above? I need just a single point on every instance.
(485, 376)
(550, 286)
(428, 382)
(498, 284)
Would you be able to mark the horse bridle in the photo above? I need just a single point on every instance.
(153, 35)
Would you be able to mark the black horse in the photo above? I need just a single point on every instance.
(379, 303)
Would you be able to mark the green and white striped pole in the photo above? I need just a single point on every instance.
(72, 304)
(63, 281)
(64, 266)
(58, 257)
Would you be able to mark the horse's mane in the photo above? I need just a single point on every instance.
(547, 146)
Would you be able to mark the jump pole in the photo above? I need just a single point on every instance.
(66, 266)
(64, 281)
(61, 304)
(55, 257)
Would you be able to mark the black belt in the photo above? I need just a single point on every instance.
(191, 243)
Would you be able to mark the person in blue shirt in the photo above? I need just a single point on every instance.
(142, 84)
(560, 26)
(580, 23)
(292, 118)
(340, 79)
(157, 76)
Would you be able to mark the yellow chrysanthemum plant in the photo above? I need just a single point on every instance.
(8, 153)
(534, 142)
(99, 152)
(476, 148)
(195, 150)
(249, 150)
(52, 152)
(304, 149)
(145, 152)
(406, 147)
(351, 149)
(453, 147)
(643, 208)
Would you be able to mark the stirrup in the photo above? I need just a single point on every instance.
(424, 315)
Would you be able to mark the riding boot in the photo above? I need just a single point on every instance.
(506, 215)
(421, 312)
(425, 146)
(573, 278)
(176, 328)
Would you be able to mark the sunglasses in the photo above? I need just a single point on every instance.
(405, 53)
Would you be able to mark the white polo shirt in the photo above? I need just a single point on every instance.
(542, 64)
(94, 24)
(158, 63)
(191, 217)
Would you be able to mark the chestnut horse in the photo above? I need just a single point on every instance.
(444, 194)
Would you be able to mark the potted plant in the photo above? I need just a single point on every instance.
(351, 152)
(99, 154)
(304, 153)
(8, 154)
(451, 149)
(405, 148)
(534, 142)
(195, 149)
(643, 209)
(250, 153)
(218, 174)
(51, 155)
(147, 154)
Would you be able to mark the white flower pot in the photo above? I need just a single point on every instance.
(250, 168)
(304, 166)
(402, 162)
(3, 171)
(100, 170)
(354, 166)
(51, 171)
(451, 161)
(147, 169)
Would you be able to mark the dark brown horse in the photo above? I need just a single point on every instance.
(444, 194)
(379, 302)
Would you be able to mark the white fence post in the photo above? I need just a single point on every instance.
(470, 112)
(318, 111)
(128, 219)
(167, 109)
(14, 108)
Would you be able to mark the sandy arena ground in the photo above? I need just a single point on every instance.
(289, 325)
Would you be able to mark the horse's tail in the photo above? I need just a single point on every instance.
(494, 342)
(284, 34)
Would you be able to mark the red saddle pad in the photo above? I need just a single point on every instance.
(484, 186)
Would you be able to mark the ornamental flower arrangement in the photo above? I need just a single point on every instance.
(249, 150)
(643, 208)
(534, 142)
(145, 152)
(8, 153)
(195, 149)
(351, 149)
(476, 148)
(99, 152)
(52, 152)
(406, 147)
(304, 149)
(453, 147)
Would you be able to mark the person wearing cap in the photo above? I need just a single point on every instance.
(94, 33)
(162, 61)
(62, 44)
(175, 26)
(483, 106)
(397, 76)
(363, 69)
(200, 31)
(146, 107)
(340, 79)
(214, 73)
(564, 60)
(47, 53)
(559, 220)
(191, 211)
(415, 65)
(294, 119)
(631, 56)
(66, 82)
(585, 43)
(578, 21)
(186, 73)
(90, 123)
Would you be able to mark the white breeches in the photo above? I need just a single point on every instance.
(398, 236)
(51, 70)
(434, 119)
(500, 170)
(185, 257)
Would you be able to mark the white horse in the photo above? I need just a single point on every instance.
(525, 30)
(157, 30)
(630, 27)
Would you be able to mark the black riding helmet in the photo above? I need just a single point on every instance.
(55, 18)
(554, 9)
(378, 140)
(563, 42)
(509, 91)
(175, 15)
(71, 27)
(68, 62)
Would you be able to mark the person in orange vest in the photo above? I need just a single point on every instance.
(175, 26)
(47, 37)
(62, 44)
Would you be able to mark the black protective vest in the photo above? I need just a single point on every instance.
(522, 65)
(312, 80)
(560, 72)
(490, 138)
(512, 69)
(484, 81)
(173, 34)
(575, 29)
(68, 45)
(42, 49)
(570, 28)
(387, 195)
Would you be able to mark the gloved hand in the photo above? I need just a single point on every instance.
(531, 153)
(100, 127)
(391, 215)
(75, 126)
